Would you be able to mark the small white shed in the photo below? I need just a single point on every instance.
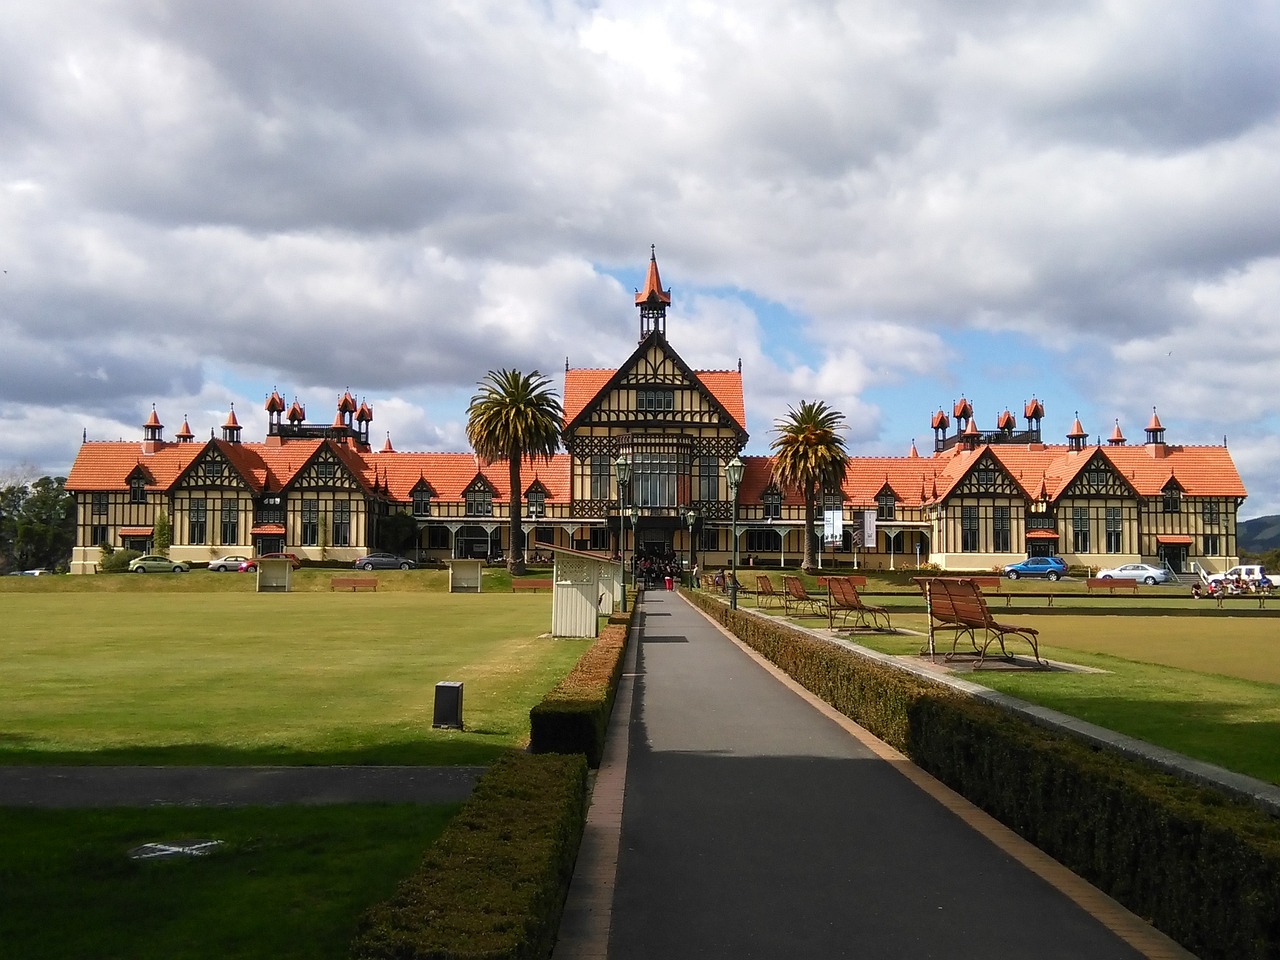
(465, 576)
(275, 576)
(583, 590)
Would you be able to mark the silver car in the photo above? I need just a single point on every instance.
(1136, 571)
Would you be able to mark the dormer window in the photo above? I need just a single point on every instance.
(138, 490)
(886, 505)
(772, 500)
(479, 502)
(536, 503)
(1172, 500)
(422, 502)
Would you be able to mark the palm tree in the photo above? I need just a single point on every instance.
(809, 455)
(513, 416)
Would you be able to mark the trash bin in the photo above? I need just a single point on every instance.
(671, 584)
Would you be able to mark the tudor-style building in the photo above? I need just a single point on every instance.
(982, 499)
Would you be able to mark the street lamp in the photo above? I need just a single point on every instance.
(733, 474)
(622, 473)
(692, 517)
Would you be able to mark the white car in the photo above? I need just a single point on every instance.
(223, 564)
(1252, 575)
(1136, 571)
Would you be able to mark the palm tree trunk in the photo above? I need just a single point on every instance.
(515, 549)
(809, 564)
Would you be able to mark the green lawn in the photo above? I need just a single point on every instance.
(128, 669)
(290, 883)
(1209, 688)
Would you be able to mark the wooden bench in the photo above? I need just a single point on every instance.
(530, 583)
(353, 583)
(1110, 583)
(798, 596)
(843, 596)
(960, 605)
(765, 594)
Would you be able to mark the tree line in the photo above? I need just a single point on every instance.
(37, 524)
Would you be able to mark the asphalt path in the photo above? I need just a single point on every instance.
(83, 787)
(755, 826)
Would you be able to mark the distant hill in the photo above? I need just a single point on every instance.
(1258, 535)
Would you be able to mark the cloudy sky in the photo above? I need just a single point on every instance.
(884, 205)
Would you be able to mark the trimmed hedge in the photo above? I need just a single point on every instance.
(493, 886)
(1199, 865)
(574, 716)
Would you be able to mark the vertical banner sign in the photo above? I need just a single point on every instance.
(832, 526)
(868, 530)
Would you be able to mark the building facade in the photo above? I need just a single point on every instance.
(979, 500)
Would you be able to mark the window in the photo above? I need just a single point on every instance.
(660, 478)
(601, 478)
(422, 502)
(271, 509)
(437, 538)
(886, 505)
(100, 501)
(898, 542)
(536, 503)
(599, 538)
(138, 490)
(479, 502)
(1001, 531)
(708, 478)
(230, 521)
(342, 523)
(654, 399)
(1211, 545)
(214, 468)
(197, 524)
(1041, 521)
(772, 500)
(969, 529)
(764, 541)
(97, 535)
(985, 478)
(1211, 512)
(326, 470)
(709, 538)
(1115, 532)
(1096, 477)
(310, 523)
(1080, 529)
(1172, 500)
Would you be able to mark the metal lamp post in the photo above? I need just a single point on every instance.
(733, 474)
(692, 517)
(635, 540)
(622, 473)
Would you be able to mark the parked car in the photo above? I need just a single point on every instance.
(40, 572)
(250, 565)
(1137, 571)
(157, 564)
(1051, 568)
(1251, 575)
(224, 564)
(383, 561)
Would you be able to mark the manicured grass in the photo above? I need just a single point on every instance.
(290, 883)
(1206, 688)
(141, 675)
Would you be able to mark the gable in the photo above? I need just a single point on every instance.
(987, 477)
(326, 470)
(212, 468)
(1098, 478)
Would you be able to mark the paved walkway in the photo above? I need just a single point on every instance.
(756, 822)
(67, 787)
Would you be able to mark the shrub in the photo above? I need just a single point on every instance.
(1198, 865)
(493, 886)
(574, 716)
(118, 561)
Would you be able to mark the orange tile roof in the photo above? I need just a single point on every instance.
(580, 388)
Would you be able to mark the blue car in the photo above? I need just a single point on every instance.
(1051, 568)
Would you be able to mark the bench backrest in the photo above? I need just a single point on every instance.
(844, 594)
(968, 605)
(764, 585)
(795, 588)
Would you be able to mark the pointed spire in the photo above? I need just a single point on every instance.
(154, 419)
(231, 429)
(1006, 421)
(914, 452)
(1117, 436)
(653, 300)
(1077, 429)
(184, 433)
(275, 402)
(386, 447)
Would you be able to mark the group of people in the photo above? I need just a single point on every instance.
(1230, 587)
(652, 568)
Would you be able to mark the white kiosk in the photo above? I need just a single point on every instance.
(465, 576)
(275, 576)
(582, 592)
